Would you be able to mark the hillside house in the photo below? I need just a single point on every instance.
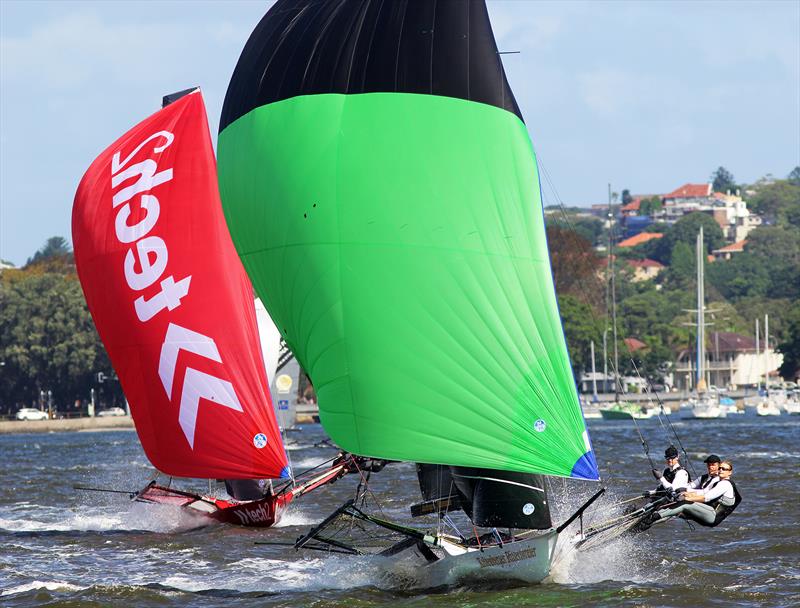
(732, 361)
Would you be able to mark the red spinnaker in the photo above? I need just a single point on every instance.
(172, 302)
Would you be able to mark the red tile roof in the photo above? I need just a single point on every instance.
(690, 191)
(634, 344)
(730, 342)
(632, 206)
(640, 238)
(733, 248)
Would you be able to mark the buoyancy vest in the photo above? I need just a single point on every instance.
(669, 474)
(706, 480)
(724, 510)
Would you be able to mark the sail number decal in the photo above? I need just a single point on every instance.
(152, 255)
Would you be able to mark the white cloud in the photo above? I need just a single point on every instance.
(82, 48)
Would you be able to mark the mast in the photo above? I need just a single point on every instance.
(594, 375)
(612, 272)
(766, 354)
(758, 361)
(701, 320)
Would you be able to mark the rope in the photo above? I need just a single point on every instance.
(650, 392)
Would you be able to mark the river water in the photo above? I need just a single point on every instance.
(61, 547)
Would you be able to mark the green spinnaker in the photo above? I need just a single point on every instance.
(398, 242)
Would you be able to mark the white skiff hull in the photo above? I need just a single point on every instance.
(527, 560)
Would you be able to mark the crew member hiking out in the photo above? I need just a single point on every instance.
(674, 476)
(706, 507)
(708, 480)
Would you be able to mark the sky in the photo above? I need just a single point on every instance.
(640, 95)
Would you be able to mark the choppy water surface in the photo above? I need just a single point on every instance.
(63, 547)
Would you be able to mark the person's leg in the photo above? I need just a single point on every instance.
(674, 512)
(701, 513)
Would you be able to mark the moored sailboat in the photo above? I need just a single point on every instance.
(703, 404)
(391, 182)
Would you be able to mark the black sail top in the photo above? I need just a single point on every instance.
(430, 47)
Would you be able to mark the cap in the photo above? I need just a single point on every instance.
(671, 452)
(712, 458)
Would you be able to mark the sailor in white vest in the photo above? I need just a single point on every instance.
(674, 476)
(707, 507)
(710, 479)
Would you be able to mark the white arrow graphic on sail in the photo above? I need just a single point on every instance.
(197, 385)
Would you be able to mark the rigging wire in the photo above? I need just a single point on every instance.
(660, 411)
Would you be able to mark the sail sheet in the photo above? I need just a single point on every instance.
(171, 300)
(382, 191)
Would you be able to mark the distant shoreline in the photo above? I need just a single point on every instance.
(116, 423)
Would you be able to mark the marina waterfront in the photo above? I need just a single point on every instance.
(64, 547)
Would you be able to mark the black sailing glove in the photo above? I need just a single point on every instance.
(656, 474)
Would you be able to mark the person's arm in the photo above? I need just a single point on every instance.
(681, 479)
(709, 495)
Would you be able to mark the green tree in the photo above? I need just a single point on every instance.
(794, 176)
(777, 243)
(581, 327)
(722, 180)
(683, 268)
(790, 346)
(778, 202)
(742, 276)
(55, 247)
(626, 196)
(649, 206)
(755, 307)
(685, 230)
(47, 338)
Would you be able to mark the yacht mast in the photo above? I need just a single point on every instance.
(701, 318)
(612, 272)
(766, 354)
(758, 360)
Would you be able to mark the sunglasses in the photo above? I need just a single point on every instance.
(725, 469)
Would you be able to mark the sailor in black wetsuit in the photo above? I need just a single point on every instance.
(674, 477)
(710, 479)
(707, 507)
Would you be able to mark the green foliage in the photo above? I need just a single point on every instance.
(752, 308)
(56, 247)
(683, 269)
(47, 338)
(685, 230)
(723, 316)
(581, 327)
(794, 176)
(744, 275)
(589, 228)
(775, 242)
(790, 345)
(650, 206)
(723, 180)
(768, 267)
(778, 202)
(626, 196)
